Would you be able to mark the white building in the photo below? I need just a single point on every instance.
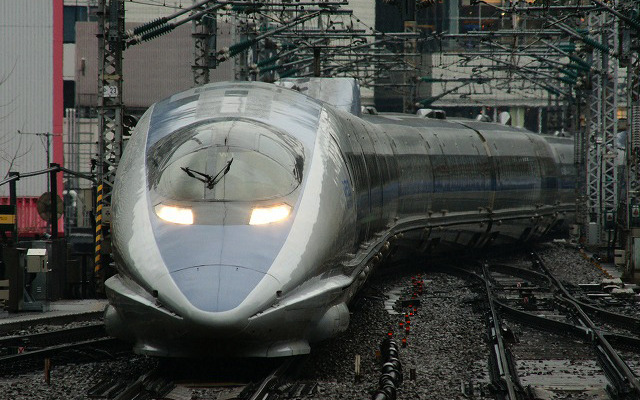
(31, 91)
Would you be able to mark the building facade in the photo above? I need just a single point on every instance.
(31, 91)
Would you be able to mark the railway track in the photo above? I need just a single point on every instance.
(149, 384)
(280, 384)
(502, 368)
(167, 380)
(21, 353)
(533, 296)
(37, 340)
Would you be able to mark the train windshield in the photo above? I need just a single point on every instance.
(232, 160)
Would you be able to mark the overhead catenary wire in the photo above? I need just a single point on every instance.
(160, 27)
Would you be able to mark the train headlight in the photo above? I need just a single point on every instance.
(174, 214)
(266, 215)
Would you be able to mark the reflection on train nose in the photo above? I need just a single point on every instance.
(217, 288)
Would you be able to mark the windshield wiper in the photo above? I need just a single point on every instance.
(217, 177)
(209, 180)
(206, 178)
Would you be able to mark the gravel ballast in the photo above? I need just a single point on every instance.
(447, 345)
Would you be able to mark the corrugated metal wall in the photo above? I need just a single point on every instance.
(26, 90)
(30, 223)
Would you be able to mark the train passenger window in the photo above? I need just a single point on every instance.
(231, 160)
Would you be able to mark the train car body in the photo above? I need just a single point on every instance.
(246, 215)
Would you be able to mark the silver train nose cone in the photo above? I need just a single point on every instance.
(217, 287)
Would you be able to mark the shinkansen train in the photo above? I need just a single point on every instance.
(246, 215)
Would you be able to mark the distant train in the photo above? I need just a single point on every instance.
(247, 215)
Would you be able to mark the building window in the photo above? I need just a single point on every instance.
(73, 14)
(69, 90)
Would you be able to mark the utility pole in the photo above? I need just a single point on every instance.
(631, 210)
(110, 114)
(630, 207)
(204, 46)
(602, 179)
(410, 47)
(609, 128)
(47, 147)
(241, 28)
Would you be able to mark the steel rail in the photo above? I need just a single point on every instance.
(265, 387)
(613, 364)
(507, 376)
(538, 321)
(147, 382)
(624, 321)
(9, 361)
(39, 346)
(44, 338)
(150, 384)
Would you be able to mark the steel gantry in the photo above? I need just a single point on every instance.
(631, 200)
(601, 151)
(110, 116)
(110, 106)
(203, 32)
